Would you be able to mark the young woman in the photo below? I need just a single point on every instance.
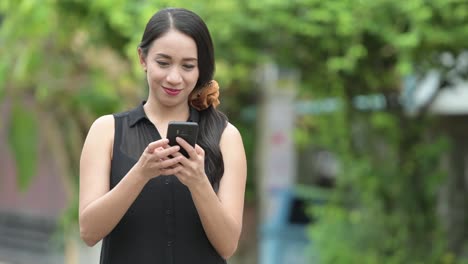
(145, 200)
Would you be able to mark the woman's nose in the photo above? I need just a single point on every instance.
(174, 76)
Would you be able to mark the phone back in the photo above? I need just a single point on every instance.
(186, 130)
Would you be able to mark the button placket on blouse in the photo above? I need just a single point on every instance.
(169, 217)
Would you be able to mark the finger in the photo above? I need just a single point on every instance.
(156, 144)
(178, 154)
(165, 164)
(171, 170)
(190, 150)
(199, 150)
(164, 153)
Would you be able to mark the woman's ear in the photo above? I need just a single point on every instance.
(142, 58)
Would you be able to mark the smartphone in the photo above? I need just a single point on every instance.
(186, 130)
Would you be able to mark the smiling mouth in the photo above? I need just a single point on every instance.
(172, 92)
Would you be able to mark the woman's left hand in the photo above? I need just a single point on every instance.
(192, 173)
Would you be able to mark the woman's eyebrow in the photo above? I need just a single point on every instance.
(163, 55)
(169, 57)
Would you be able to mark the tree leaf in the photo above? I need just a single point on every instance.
(23, 142)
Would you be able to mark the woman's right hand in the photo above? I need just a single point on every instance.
(158, 159)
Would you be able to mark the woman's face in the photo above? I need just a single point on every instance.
(172, 68)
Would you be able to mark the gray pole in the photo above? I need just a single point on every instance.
(276, 157)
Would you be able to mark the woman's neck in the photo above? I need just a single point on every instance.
(158, 113)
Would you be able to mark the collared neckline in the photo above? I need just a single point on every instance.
(137, 114)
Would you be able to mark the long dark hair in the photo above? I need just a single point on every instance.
(212, 122)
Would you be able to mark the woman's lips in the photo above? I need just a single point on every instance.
(172, 92)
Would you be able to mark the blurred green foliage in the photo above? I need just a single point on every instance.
(75, 60)
(385, 201)
(23, 141)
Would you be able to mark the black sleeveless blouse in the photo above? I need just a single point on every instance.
(162, 226)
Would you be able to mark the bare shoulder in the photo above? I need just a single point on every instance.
(102, 127)
(104, 122)
(101, 133)
(231, 133)
(231, 140)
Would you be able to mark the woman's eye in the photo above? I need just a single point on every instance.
(162, 63)
(189, 66)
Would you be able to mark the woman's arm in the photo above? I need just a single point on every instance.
(221, 213)
(100, 210)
